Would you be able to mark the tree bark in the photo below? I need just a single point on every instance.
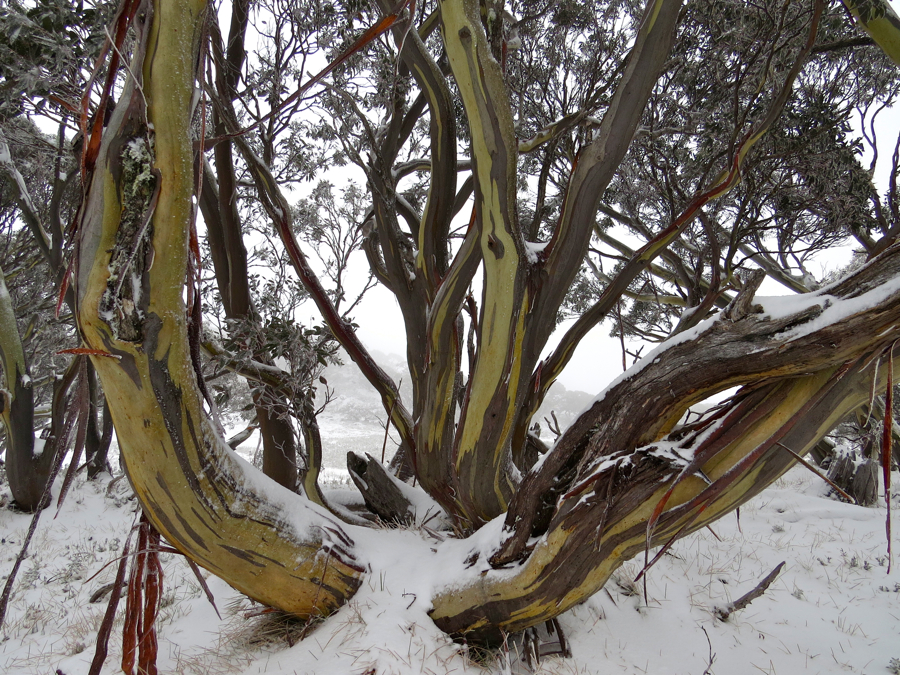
(201, 496)
(27, 473)
(879, 20)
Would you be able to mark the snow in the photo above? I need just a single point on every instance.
(834, 310)
(534, 250)
(833, 609)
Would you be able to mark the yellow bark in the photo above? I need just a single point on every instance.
(262, 539)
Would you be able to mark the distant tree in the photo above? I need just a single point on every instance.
(36, 374)
(47, 51)
(496, 140)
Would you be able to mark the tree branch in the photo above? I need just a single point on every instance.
(880, 21)
(554, 365)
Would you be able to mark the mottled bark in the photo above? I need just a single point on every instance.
(879, 20)
(205, 500)
(27, 473)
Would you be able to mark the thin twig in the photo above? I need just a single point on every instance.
(887, 440)
(820, 475)
(387, 425)
(712, 656)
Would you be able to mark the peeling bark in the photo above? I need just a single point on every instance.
(196, 492)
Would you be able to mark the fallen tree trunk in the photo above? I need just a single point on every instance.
(588, 506)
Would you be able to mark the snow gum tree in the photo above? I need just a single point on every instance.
(494, 139)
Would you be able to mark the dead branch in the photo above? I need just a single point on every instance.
(722, 613)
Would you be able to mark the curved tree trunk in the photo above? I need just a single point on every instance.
(264, 540)
(230, 262)
(603, 521)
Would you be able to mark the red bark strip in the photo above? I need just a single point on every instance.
(149, 645)
(809, 466)
(64, 286)
(202, 582)
(132, 629)
(88, 352)
(887, 438)
(124, 18)
(107, 624)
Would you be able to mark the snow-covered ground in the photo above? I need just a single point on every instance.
(833, 609)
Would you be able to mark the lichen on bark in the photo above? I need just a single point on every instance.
(123, 304)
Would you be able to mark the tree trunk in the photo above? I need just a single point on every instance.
(27, 473)
(264, 540)
(99, 436)
(857, 472)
